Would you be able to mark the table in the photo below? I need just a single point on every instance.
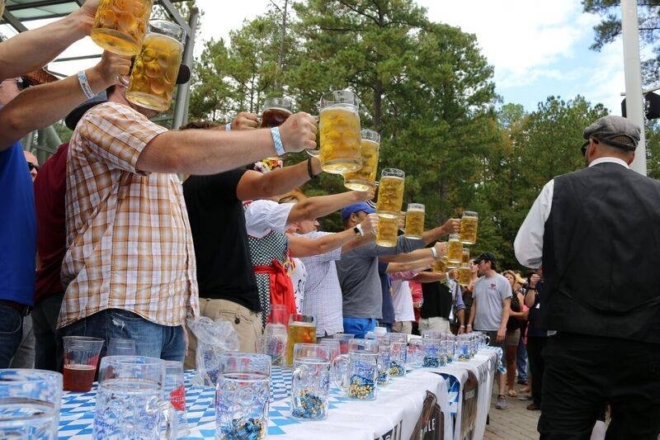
(392, 415)
(482, 368)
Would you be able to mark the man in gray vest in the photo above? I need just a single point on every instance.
(596, 234)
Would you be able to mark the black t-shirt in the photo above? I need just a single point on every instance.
(437, 300)
(224, 269)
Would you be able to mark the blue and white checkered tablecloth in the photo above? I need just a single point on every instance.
(397, 406)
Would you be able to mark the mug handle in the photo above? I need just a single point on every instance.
(171, 420)
(124, 80)
(316, 151)
(338, 370)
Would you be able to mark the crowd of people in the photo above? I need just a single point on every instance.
(125, 249)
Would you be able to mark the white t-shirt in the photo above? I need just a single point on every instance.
(402, 301)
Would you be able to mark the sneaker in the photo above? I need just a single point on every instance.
(533, 407)
(501, 402)
(525, 397)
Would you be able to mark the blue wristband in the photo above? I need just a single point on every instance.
(277, 140)
(228, 127)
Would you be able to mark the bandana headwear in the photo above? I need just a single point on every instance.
(268, 164)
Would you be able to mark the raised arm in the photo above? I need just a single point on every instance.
(33, 49)
(440, 251)
(205, 152)
(320, 206)
(451, 226)
(305, 247)
(46, 104)
(254, 185)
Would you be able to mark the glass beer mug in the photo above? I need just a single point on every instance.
(156, 68)
(390, 193)
(275, 112)
(365, 178)
(469, 223)
(120, 25)
(415, 220)
(454, 250)
(339, 132)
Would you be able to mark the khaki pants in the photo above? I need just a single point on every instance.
(402, 327)
(436, 324)
(246, 323)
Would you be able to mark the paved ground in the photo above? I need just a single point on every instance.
(513, 423)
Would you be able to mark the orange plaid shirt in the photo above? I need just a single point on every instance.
(128, 235)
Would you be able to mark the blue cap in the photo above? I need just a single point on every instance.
(356, 207)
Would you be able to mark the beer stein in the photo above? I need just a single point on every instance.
(434, 355)
(30, 402)
(415, 220)
(398, 352)
(339, 132)
(356, 373)
(365, 178)
(310, 381)
(387, 232)
(119, 25)
(463, 348)
(302, 329)
(156, 67)
(242, 396)
(130, 403)
(454, 250)
(469, 223)
(390, 193)
(274, 343)
(275, 112)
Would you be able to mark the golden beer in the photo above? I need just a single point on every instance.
(388, 229)
(440, 266)
(415, 220)
(299, 333)
(464, 275)
(365, 178)
(120, 25)
(154, 72)
(339, 133)
(469, 223)
(390, 192)
(465, 260)
(454, 250)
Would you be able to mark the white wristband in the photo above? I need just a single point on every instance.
(434, 253)
(277, 140)
(359, 228)
(84, 85)
(228, 127)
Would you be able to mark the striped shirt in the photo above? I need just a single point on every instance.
(128, 236)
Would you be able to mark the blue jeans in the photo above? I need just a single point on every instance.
(11, 333)
(48, 355)
(153, 340)
(521, 360)
(359, 326)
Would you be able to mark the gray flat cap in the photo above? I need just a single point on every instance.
(616, 131)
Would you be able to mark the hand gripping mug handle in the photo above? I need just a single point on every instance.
(124, 80)
(170, 418)
(316, 151)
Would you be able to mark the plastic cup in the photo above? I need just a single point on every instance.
(81, 358)
(122, 347)
(343, 341)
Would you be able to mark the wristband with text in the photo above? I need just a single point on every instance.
(358, 230)
(84, 84)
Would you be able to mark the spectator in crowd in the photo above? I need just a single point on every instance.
(418, 299)
(516, 317)
(594, 232)
(130, 265)
(402, 299)
(33, 164)
(490, 310)
(536, 339)
(441, 297)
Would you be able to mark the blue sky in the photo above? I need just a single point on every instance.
(537, 47)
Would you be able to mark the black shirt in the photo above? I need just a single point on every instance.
(217, 221)
(437, 300)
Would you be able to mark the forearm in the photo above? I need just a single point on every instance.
(409, 256)
(305, 247)
(286, 179)
(33, 49)
(204, 152)
(415, 265)
(505, 315)
(315, 207)
(44, 105)
(429, 277)
(461, 317)
(473, 312)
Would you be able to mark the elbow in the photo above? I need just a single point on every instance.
(13, 128)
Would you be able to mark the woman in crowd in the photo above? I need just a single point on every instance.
(516, 316)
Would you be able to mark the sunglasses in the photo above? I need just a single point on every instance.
(32, 166)
(584, 146)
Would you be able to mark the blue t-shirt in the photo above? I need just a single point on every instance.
(18, 227)
(388, 307)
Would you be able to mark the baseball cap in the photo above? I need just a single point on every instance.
(614, 130)
(74, 116)
(356, 207)
(486, 256)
